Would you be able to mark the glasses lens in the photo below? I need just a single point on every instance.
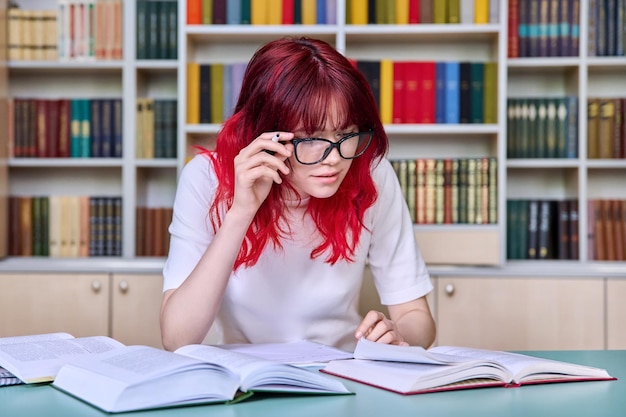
(355, 145)
(311, 150)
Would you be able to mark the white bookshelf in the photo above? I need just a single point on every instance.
(153, 182)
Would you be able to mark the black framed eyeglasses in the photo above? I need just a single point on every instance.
(311, 151)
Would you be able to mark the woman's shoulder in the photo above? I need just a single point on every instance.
(382, 171)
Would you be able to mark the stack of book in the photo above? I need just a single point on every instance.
(606, 129)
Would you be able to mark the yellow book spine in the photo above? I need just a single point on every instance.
(358, 12)
(481, 12)
(309, 12)
(258, 11)
(386, 91)
(193, 93)
(402, 12)
(440, 11)
(274, 12)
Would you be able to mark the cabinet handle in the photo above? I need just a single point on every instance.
(449, 289)
(96, 286)
(124, 287)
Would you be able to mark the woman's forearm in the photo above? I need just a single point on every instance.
(188, 312)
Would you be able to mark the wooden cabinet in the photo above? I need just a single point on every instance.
(616, 313)
(42, 303)
(509, 313)
(135, 306)
(123, 306)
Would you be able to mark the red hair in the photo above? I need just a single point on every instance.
(289, 84)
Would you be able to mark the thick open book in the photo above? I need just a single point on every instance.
(414, 370)
(115, 377)
(141, 377)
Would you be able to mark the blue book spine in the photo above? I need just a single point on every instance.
(117, 124)
(440, 92)
(96, 128)
(233, 12)
(320, 12)
(452, 93)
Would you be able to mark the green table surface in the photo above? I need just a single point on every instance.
(598, 398)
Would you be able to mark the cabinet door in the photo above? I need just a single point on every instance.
(508, 313)
(616, 314)
(44, 303)
(135, 307)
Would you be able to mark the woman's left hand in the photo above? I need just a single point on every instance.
(378, 328)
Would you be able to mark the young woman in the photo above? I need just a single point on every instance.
(272, 230)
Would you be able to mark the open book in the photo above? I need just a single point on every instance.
(141, 377)
(115, 377)
(414, 370)
(38, 358)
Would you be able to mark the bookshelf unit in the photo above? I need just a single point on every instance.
(461, 251)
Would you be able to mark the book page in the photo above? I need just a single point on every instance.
(260, 374)
(34, 338)
(300, 353)
(39, 361)
(525, 367)
(366, 349)
(140, 377)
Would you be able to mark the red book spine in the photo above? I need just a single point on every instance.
(399, 91)
(427, 92)
(513, 29)
(414, 11)
(288, 12)
(412, 93)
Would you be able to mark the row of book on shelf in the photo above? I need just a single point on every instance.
(156, 128)
(449, 191)
(61, 226)
(75, 30)
(606, 22)
(606, 128)
(542, 127)
(212, 91)
(606, 229)
(433, 92)
(405, 91)
(542, 229)
(157, 29)
(152, 237)
(548, 229)
(358, 12)
(543, 28)
(61, 128)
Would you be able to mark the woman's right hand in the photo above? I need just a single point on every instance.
(256, 170)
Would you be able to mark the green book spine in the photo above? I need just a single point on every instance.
(217, 93)
(532, 127)
(551, 131)
(542, 127)
(141, 31)
(85, 129)
(490, 100)
(440, 12)
(207, 12)
(561, 127)
(462, 202)
(454, 11)
(477, 91)
(246, 11)
(36, 232)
